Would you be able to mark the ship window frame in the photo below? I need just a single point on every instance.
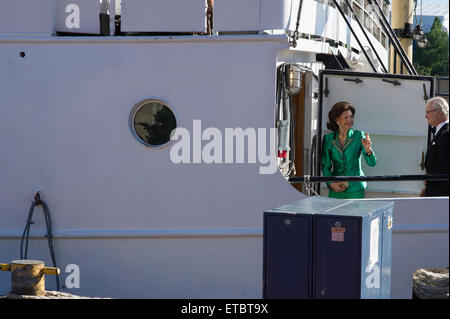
(367, 22)
(131, 121)
(383, 40)
(376, 31)
(358, 10)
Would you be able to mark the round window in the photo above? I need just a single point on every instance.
(152, 122)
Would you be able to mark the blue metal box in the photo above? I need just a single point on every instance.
(327, 248)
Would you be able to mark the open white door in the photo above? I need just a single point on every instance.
(391, 109)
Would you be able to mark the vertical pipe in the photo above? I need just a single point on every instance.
(394, 66)
(402, 12)
(112, 17)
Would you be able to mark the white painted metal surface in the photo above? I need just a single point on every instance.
(246, 15)
(74, 144)
(163, 16)
(225, 263)
(253, 15)
(128, 216)
(27, 17)
(45, 17)
(316, 19)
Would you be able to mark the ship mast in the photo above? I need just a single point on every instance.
(402, 15)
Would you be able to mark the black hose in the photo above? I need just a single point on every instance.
(49, 235)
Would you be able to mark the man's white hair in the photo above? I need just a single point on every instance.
(439, 103)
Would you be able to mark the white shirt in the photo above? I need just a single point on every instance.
(439, 127)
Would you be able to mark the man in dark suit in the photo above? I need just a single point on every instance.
(436, 160)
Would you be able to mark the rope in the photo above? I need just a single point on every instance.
(26, 233)
(431, 283)
(308, 186)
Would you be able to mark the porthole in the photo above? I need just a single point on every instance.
(152, 122)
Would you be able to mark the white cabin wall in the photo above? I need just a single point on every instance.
(46, 17)
(27, 17)
(65, 110)
(84, 123)
(163, 15)
(317, 19)
(325, 21)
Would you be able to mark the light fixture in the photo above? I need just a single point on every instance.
(422, 43)
(408, 32)
(418, 33)
(419, 37)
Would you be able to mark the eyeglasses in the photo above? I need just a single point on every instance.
(431, 111)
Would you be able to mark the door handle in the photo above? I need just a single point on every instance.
(394, 82)
(357, 80)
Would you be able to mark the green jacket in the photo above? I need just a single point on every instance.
(346, 160)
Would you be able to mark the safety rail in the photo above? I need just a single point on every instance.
(379, 178)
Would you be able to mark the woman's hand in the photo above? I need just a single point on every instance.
(338, 187)
(367, 143)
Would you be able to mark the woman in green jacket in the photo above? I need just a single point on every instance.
(341, 152)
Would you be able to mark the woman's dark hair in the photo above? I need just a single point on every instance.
(335, 112)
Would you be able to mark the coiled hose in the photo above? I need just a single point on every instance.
(26, 233)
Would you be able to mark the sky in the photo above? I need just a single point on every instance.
(433, 1)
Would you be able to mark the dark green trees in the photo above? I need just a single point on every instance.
(433, 59)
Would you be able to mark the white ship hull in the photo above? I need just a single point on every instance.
(137, 224)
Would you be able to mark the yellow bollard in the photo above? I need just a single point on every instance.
(28, 276)
(5, 267)
(50, 271)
